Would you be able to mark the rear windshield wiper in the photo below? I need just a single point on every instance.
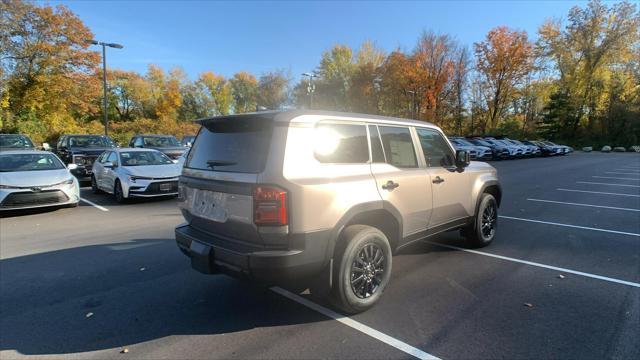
(214, 163)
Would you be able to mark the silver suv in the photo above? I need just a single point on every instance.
(328, 197)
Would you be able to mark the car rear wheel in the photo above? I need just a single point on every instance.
(483, 229)
(118, 194)
(362, 269)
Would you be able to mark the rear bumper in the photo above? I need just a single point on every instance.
(212, 254)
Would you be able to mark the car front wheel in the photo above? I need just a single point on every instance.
(362, 269)
(483, 229)
(118, 194)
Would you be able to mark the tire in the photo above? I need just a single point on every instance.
(483, 229)
(118, 194)
(364, 253)
(94, 186)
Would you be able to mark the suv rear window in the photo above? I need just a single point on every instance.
(341, 144)
(236, 145)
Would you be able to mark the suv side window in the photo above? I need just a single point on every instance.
(398, 146)
(341, 144)
(436, 150)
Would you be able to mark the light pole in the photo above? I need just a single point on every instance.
(104, 77)
(311, 87)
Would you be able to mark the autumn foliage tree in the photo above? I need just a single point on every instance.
(48, 75)
(503, 59)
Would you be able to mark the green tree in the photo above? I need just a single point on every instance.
(244, 89)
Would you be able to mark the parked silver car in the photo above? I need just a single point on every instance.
(129, 172)
(32, 179)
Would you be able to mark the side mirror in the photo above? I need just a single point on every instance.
(114, 164)
(462, 159)
(72, 166)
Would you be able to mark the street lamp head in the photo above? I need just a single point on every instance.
(114, 45)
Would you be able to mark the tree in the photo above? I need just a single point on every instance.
(364, 89)
(244, 89)
(336, 70)
(273, 90)
(433, 68)
(48, 74)
(597, 42)
(503, 59)
(219, 91)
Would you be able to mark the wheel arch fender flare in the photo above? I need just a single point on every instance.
(374, 208)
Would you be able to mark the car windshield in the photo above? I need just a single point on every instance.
(143, 158)
(15, 141)
(29, 162)
(90, 141)
(481, 142)
(161, 141)
(464, 142)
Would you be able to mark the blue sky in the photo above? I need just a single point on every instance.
(227, 37)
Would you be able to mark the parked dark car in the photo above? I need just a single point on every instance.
(82, 150)
(188, 140)
(167, 144)
(15, 142)
(545, 150)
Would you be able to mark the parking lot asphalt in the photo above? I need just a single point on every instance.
(561, 280)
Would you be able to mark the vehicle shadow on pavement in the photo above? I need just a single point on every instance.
(115, 295)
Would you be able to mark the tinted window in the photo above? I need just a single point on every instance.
(435, 148)
(238, 145)
(341, 143)
(29, 162)
(377, 153)
(15, 141)
(398, 146)
(90, 141)
(160, 141)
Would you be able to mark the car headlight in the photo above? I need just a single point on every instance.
(66, 182)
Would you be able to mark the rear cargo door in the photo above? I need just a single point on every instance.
(219, 175)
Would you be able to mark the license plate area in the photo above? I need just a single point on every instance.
(165, 187)
(209, 205)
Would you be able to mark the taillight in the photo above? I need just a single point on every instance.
(269, 206)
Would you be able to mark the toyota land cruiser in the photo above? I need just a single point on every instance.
(277, 196)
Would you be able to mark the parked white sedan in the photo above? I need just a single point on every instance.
(33, 179)
(131, 172)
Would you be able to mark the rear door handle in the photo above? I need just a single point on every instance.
(437, 180)
(390, 185)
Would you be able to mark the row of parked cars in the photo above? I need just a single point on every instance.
(500, 148)
(148, 167)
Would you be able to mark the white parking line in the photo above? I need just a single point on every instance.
(616, 178)
(564, 270)
(598, 192)
(634, 170)
(402, 346)
(570, 226)
(589, 205)
(599, 183)
(94, 205)
(620, 173)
